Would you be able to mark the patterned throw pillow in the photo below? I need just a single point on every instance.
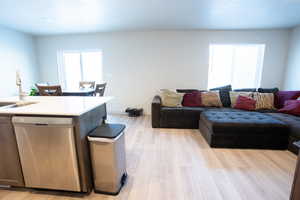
(235, 95)
(264, 100)
(211, 99)
(171, 98)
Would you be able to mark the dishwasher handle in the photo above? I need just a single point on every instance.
(41, 124)
(43, 121)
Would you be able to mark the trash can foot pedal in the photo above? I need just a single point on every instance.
(123, 182)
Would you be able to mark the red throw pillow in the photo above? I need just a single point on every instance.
(282, 96)
(245, 103)
(291, 107)
(192, 99)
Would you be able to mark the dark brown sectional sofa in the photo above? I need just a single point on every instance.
(178, 117)
(231, 128)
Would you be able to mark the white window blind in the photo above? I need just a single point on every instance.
(238, 65)
(76, 66)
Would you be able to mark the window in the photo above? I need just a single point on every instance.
(238, 65)
(75, 66)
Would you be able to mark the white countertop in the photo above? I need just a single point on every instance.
(60, 106)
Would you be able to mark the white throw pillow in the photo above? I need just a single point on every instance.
(171, 98)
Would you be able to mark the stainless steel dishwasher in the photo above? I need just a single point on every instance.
(47, 152)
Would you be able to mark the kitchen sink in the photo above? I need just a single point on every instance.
(6, 104)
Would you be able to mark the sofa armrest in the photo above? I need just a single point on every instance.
(155, 111)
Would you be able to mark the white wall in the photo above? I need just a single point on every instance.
(292, 75)
(17, 51)
(137, 64)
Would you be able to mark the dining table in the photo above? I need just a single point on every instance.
(78, 92)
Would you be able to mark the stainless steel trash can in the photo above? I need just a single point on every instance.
(107, 147)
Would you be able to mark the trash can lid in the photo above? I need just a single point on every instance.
(108, 131)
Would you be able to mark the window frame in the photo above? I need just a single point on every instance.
(60, 64)
(260, 61)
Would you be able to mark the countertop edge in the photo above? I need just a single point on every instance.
(11, 111)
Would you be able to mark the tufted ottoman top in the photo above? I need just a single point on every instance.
(242, 123)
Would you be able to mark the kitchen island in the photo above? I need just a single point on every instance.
(52, 151)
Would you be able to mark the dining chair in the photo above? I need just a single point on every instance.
(87, 84)
(53, 90)
(100, 88)
(42, 84)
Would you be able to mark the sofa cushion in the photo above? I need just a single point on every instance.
(283, 96)
(181, 112)
(190, 112)
(292, 121)
(268, 90)
(224, 94)
(186, 90)
(226, 87)
(223, 109)
(267, 111)
(184, 117)
(242, 123)
(245, 90)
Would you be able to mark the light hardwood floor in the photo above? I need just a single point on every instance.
(170, 164)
